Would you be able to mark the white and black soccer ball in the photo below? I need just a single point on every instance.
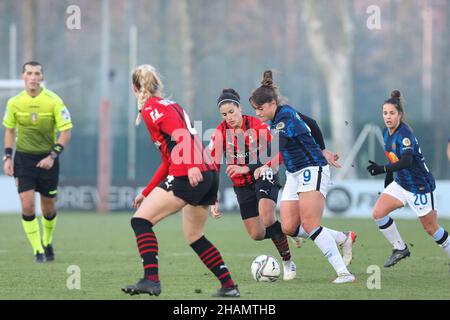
(265, 269)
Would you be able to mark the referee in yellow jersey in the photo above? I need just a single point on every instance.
(33, 119)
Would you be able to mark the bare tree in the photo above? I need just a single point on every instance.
(187, 47)
(427, 59)
(441, 77)
(336, 67)
(28, 14)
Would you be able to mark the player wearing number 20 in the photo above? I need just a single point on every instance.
(413, 183)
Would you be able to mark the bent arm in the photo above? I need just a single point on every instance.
(406, 161)
(315, 130)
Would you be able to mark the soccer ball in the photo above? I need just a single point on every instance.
(265, 269)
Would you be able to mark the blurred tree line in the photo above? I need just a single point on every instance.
(327, 62)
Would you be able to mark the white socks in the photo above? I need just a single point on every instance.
(389, 230)
(327, 245)
(442, 239)
(338, 236)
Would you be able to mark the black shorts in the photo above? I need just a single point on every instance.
(29, 177)
(204, 194)
(248, 196)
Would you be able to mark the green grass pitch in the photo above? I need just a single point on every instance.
(103, 247)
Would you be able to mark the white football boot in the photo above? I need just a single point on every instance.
(347, 247)
(289, 270)
(345, 278)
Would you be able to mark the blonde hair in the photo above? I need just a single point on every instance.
(148, 82)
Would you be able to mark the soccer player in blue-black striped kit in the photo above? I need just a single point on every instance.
(307, 172)
(413, 183)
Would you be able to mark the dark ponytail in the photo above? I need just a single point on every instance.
(267, 92)
(397, 100)
(267, 80)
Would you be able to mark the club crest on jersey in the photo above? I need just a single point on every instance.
(280, 126)
(406, 142)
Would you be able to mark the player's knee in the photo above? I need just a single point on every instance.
(289, 230)
(310, 226)
(192, 235)
(48, 207)
(377, 214)
(28, 209)
(430, 228)
(256, 235)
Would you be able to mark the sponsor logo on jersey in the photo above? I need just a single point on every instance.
(239, 155)
(406, 142)
(391, 157)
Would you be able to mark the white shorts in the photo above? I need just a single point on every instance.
(421, 204)
(307, 179)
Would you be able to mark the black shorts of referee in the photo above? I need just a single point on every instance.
(29, 177)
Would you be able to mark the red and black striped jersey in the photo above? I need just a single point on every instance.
(172, 132)
(240, 146)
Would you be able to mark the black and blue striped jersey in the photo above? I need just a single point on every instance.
(297, 146)
(417, 178)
